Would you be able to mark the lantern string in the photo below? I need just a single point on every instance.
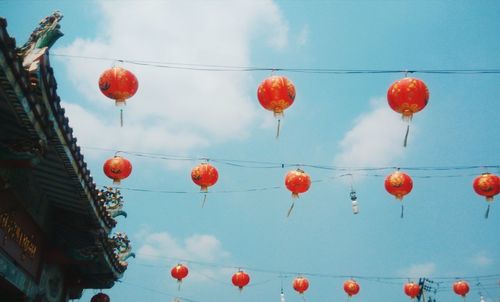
(402, 210)
(290, 209)
(405, 142)
(487, 212)
(121, 117)
(278, 129)
(230, 68)
(204, 200)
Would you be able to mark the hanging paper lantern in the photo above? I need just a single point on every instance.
(398, 184)
(487, 185)
(461, 288)
(276, 94)
(100, 297)
(351, 287)
(118, 84)
(300, 284)
(408, 96)
(117, 168)
(412, 289)
(204, 175)
(297, 182)
(240, 279)
(179, 272)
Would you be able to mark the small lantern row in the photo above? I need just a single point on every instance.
(297, 181)
(300, 284)
(406, 96)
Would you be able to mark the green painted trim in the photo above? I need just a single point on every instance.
(17, 277)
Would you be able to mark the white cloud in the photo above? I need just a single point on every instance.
(162, 247)
(482, 259)
(198, 247)
(419, 270)
(375, 140)
(103, 130)
(173, 110)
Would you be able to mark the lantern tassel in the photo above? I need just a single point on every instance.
(487, 212)
(402, 210)
(278, 129)
(290, 210)
(204, 199)
(121, 117)
(405, 142)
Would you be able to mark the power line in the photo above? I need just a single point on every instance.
(260, 189)
(280, 165)
(234, 68)
(159, 292)
(319, 275)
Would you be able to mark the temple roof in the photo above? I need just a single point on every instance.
(37, 142)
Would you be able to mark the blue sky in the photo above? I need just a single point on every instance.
(336, 120)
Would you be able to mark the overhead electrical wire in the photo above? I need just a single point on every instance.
(179, 298)
(271, 187)
(280, 165)
(255, 164)
(280, 273)
(233, 68)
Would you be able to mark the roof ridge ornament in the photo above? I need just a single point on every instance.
(41, 39)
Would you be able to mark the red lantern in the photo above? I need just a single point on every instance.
(297, 182)
(300, 284)
(117, 168)
(487, 185)
(412, 290)
(276, 94)
(461, 288)
(398, 184)
(118, 84)
(204, 175)
(240, 279)
(100, 297)
(408, 96)
(179, 272)
(351, 287)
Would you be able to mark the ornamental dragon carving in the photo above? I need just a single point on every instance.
(112, 200)
(122, 248)
(45, 35)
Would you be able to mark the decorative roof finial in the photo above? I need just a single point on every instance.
(45, 35)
